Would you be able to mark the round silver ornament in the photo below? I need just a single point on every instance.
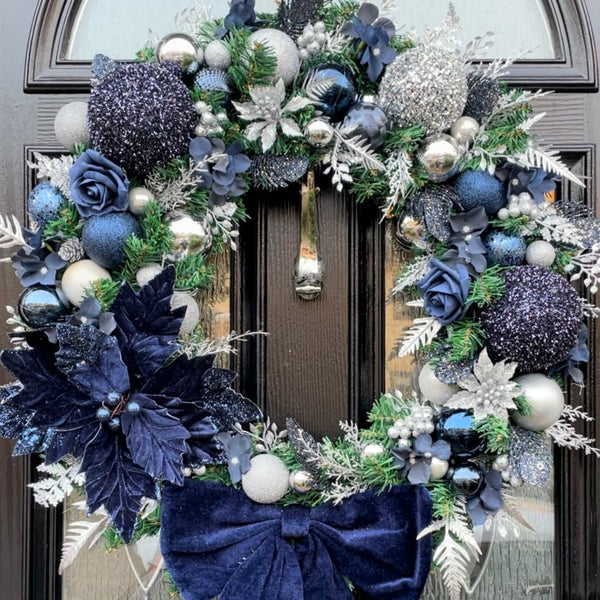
(318, 132)
(540, 253)
(192, 312)
(189, 235)
(78, 277)
(267, 481)
(439, 467)
(199, 55)
(285, 50)
(464, 130)
(434, 390)
(139, 198)
(425, 85)
(186, 471)
(301, 481)
(70, 125)
(217, 55)
(440, 157)
(147, 273)
(40, 306)
(372, 450)
(177, 47)
(545, 399)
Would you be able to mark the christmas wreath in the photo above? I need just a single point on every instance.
(115, 381)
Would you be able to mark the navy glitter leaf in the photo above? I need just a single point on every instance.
(272, 172)
(114, 481)
(32, 439)
(155, 439)
(13, 421)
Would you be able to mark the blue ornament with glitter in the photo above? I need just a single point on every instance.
(333, 88)
(504, 249)
(479, 188)
(44, 203)
(104, 236)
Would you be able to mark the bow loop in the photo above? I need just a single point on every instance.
(295, 522)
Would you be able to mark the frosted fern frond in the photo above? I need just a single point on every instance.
(586, 264)
(421, 333)
(590, 311)
(563, 432)
(549, 160)
(11, 232)
(412, 273)
(400, 180)
(55, 169)
(64, 478)
(222, 345)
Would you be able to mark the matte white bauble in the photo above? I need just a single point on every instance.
(78, 277)
(434, 390)
(545, 398)
(192, 313)
(147, 273)
(217, 56)
(285, 50)
(439, 467)
(70, 125)
(268, 479)
(540, 253)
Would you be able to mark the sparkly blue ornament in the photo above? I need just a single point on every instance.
(366, 120)
(479, 188)
(40, 306)
(104, 236)
(467, 479)
(333, 88)
(44, 203)
(456, 428)
(504, 249)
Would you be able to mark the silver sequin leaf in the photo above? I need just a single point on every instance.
(266, 112)
(489, 391)
(55, 169)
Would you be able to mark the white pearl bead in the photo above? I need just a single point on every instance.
(439, 468)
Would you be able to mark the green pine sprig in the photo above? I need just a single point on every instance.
(68, 225)
(104, 290)
(495, 432)
(488, 288)
(192, 273)
(464, 338)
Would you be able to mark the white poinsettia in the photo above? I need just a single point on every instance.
(267, 113)
(489, 391)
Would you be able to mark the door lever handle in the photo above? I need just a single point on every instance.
(308, 271)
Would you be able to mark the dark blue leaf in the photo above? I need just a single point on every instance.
(155, 439)
(32, 439)
(114, 481)
(13, 421)
(71, 441)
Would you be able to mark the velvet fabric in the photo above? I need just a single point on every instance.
(218, 542)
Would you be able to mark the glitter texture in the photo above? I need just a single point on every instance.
(529, 457)
(482, 96)
(271, 172)
(537, 320)
(425, 85)
(431, 208)
(141, 116)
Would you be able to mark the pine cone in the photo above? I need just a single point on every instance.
(71, 250)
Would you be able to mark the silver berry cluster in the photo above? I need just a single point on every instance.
(210, 124)
(420, 420)
(502, 464)
(521, 205)
(312, 40)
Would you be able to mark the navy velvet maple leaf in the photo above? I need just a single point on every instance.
(126, 404)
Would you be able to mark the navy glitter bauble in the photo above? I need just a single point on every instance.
(479, 188)
(456, 428)
(141, 116)
(39, 306)
(537, 320)
(504, 249)
(44, 203)
(366, 120)
(467, 479)
(333, 88)
(482, 96)
(104, 236)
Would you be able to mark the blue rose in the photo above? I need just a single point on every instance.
(98, 186)
(445, 290)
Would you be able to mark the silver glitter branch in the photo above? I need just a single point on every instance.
(414, 271)
(553, 227)
(63, 477)
(398, 167)
(548, 160)
(421, 333)
(267, 436)
(178, 192)
(586, 264)
(54, 169)
(563, 432)
(590, 311)
(222, 345)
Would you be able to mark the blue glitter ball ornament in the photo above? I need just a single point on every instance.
(479, 188)
(366, 120)
(456, 428)
(504, 249)
(104, 236)
(333, 88)
(467, 479)
(44, 203)
(40, 306)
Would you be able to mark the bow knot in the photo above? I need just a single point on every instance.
(295, 522)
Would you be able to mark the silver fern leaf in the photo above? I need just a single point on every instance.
(357, 150)
(11, 232)
(317, 87)
(421, 333)
(549, 160)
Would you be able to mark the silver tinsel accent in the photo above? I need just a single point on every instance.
(529, 457)
(71, 250)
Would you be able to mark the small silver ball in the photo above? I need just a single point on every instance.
(440, 157)
(189, 235)
(501, 463)
(393, 433)
(177, 47)
(432, 389)
(540, 253)
(464, 130)
(186, 471)
(139, 198)
(319, 133)
(545, 398)
(217, 55)
(403, 443)
(373, 450)
(301, 481)
(70, 125)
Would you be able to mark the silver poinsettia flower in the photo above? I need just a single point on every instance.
(267, 113)
(488, 391)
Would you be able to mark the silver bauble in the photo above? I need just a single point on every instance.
(432, 389)
(540, 253)
(440, 157)
(372, 450)
(192, 312)
(464, 130)
(301, 481)
(70, 125)
(545, 399)
(147, 273)
(189, 235)
(439, 467)
(139, 198)
(268, 479)
(177, 47)
(285, 50)
(319, 132)
(425, 85)
(217, 55)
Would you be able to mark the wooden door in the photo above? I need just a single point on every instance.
(324, 360)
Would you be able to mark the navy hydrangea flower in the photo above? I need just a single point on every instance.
(466, 245)
(445, 289)
(579, 354)
(535, 182)
(98, 185)
(238, 449)
(36, 263)
(488, 501)
(241, 14)
(373, 36)
(415, 463)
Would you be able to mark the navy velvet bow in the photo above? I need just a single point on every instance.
(218, 542)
